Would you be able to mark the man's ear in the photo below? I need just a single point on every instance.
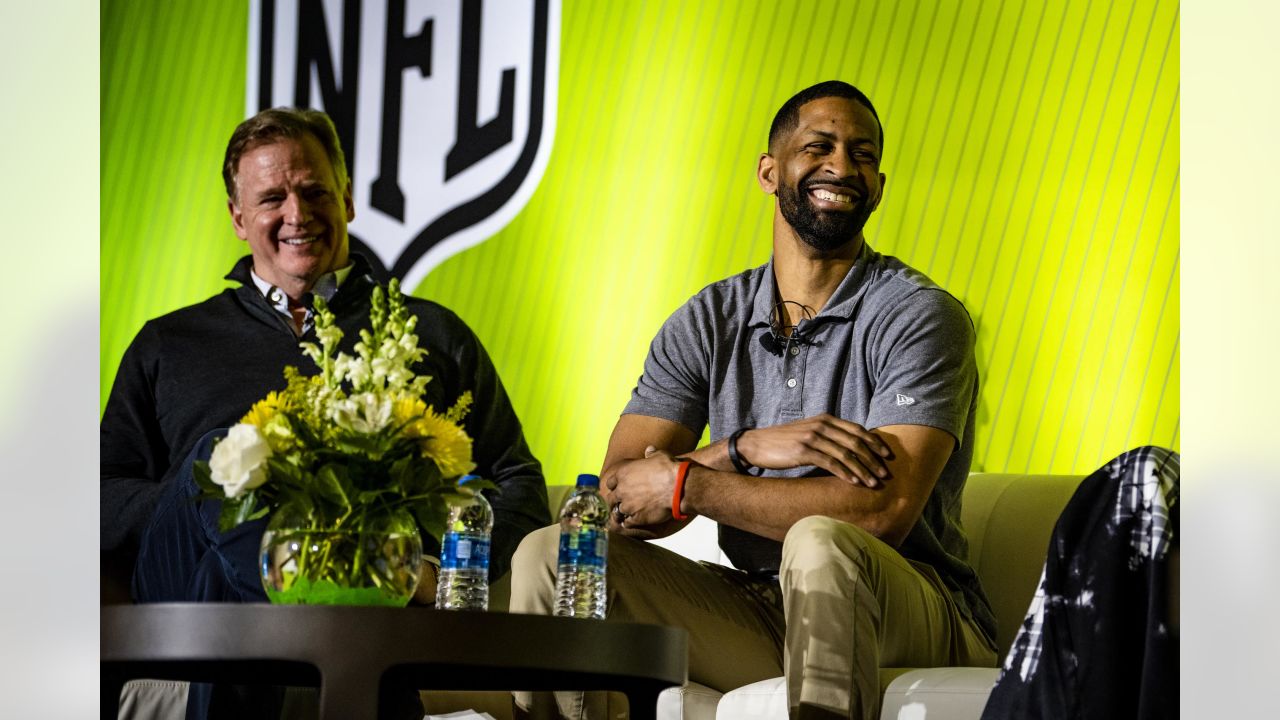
(237, 219)
(880, 197)
(349, 203)
(767, 173)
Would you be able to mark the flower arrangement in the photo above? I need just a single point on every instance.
(350, 446)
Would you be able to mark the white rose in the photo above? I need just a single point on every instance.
(239, 461)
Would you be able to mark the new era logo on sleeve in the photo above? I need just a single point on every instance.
(904, 400)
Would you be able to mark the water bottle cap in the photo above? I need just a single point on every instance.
(467, 478)
(588, 480)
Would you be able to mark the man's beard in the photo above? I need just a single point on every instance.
(823, 231)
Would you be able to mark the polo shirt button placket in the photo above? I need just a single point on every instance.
(793, 377)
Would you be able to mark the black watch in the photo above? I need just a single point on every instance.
(739, 463)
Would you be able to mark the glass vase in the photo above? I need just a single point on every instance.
(375, 559)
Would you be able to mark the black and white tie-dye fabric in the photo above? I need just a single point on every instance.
(1098, 641)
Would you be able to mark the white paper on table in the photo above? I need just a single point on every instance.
(460, 715)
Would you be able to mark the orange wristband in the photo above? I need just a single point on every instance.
(682, 471)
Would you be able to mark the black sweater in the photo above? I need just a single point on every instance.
(202, 367)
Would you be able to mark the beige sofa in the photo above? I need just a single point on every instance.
(1008, 518)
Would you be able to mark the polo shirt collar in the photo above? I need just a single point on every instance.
(842, 304)
(326, 286)
(359, 268)
(766, 298)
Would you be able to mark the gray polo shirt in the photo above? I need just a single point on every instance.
(889, 348)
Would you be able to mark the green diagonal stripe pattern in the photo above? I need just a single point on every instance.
(1032, 159)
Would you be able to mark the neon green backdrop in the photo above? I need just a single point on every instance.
(1031, 149)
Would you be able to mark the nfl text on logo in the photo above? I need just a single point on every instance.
(445, 110)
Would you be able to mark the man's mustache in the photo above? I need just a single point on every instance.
(857, 188)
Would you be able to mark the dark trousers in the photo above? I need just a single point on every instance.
(185, 558)
(1099, 642)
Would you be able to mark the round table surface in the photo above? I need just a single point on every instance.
(350, 651)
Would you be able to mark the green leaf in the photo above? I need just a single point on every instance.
(431, 513)
(429, 476)
(373, 446)
(402, 476)
(369, 497)
(285, 473)
(246, 505)
(305, 435)
(454, 495)
(236, 510)
(204, 477)
(299, 503)
(329, 487)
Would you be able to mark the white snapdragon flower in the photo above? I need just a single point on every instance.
(312, 351)
(239, 461)
(345, 413)
(353, 369)
(408, 343)
(379, 367)
(364, 413)
(329, 336)
(362, 347)
(418, 386)
(399, 377)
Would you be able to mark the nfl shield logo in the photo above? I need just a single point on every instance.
(445, 110)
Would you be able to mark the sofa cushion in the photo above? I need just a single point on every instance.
(691, 702)
(764, 700)
(768, 698)
(954, 693)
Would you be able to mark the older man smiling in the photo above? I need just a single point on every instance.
(198, 369)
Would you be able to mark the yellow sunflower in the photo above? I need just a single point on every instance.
(445, 443)
(406, 408)
(264, 410)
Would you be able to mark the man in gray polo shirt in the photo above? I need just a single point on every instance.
(840, 388)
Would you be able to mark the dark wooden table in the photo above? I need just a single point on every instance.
(354, 653)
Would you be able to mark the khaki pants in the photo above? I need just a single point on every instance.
(848, 604)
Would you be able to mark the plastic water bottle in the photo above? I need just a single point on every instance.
(464, 554)
(584, 549)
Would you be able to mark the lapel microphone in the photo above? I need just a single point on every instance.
(782, 334)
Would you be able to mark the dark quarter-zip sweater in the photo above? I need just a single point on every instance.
(202, 367)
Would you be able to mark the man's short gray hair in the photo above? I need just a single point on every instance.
(269, 126)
